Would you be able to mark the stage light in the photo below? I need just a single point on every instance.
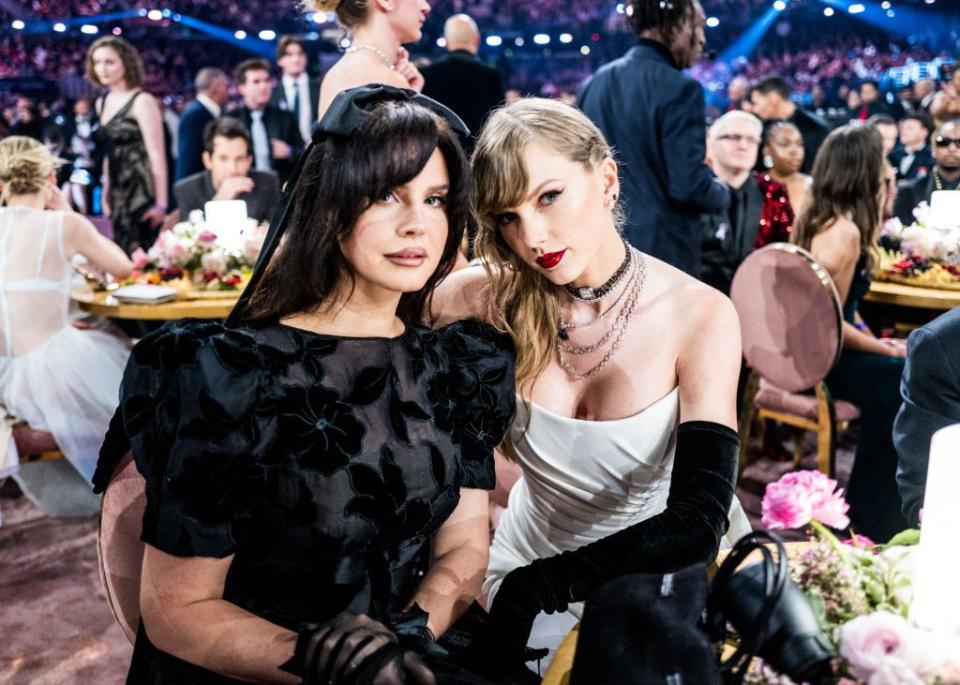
(59, 27)
(629, 10)
(89, 29)
(154, 15)
(779, 5)
(240, 35)
(519, 42)
(885, 4)
(891, 14)
(344, 43)
(267, 34)
(142, 12)
(713, 22)
(167, 13)
(18, 25)
(585, 50)
(541, 39)
(828, 11)
(441, 42)
(117, 31)
(566, 38)
(856, 8)
(494, 41)
(620, 8)
(929, 2)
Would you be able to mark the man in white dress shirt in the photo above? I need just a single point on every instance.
(298, 93)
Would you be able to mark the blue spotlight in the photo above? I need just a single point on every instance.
(748, 42)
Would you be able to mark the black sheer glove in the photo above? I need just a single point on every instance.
(412, 631)
(686, 533)
(355, 650)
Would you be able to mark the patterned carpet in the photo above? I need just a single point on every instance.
(56, 627)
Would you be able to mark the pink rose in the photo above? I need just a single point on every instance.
(883, 649)
(207, 237)
(786, 505)
(139, 258)
(857, 540)
(800, 496)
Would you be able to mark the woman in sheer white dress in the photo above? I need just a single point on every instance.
(626, 367)
(53, 376)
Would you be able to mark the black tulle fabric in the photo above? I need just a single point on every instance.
(324, 464)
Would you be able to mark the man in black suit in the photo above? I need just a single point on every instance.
(912, 157)
(296, 93)
(930, 388)
(276, 137)
(771, 102)
(945, 174)
(460, 80)
(871, 103)
(213, 94)
(228, 176)
(653, 114)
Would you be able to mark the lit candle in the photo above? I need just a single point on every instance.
(936, 603)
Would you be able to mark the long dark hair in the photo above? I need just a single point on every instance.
(847, 179)
(341, 178)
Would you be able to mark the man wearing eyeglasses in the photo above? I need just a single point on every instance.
(759, 212)
(945, 174)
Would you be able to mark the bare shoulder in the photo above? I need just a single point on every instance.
(461, 295)
(837, 244)
(687, 301)
(145, 102)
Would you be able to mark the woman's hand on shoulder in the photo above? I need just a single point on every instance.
(709, 358)
(410, 73)
(461, 295)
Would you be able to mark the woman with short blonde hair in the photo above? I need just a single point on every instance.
(53, 376)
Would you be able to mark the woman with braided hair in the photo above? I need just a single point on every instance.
(378, 30)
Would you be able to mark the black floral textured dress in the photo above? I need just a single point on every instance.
(131, 178)
(323, 463)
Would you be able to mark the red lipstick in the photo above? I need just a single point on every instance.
(550, 259)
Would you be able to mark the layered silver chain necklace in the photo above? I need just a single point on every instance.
(636, 272)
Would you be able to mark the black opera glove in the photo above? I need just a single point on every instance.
(354, 649)
(687, 532)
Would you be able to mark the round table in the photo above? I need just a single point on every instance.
(901, 295)
(104, 304)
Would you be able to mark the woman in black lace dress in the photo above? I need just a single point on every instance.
(315, 468)
(130, 133)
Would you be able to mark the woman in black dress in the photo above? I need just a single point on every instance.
(322, 457)
(130, 134)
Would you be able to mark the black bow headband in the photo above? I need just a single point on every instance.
(347, 113)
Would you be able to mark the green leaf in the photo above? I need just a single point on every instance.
(905, 538)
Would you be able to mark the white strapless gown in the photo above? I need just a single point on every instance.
(582, 481)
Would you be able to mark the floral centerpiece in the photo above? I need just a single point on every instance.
(192, 257)
(922, 253)
(861, 592)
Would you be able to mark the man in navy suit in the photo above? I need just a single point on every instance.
(212, 89)
(653, 115)
(276, 136)
(930, 388)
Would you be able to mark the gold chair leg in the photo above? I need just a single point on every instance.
(747, 415)
(826, 430)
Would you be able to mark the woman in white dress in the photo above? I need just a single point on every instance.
(378, 30)
(626, 367)
(54, 376)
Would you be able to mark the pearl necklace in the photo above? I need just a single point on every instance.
(374, 49)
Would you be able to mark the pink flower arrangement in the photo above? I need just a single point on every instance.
(801, 497)
(207, 237)
(883, 648)
(139, 258)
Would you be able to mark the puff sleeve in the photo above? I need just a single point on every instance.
(482, 389)
(188, 412)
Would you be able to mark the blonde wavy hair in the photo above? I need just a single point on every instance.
(25, 166)
(522, 302)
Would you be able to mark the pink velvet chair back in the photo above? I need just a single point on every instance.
(119, 547)
(790, 316)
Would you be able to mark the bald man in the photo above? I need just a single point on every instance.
(459, 79)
